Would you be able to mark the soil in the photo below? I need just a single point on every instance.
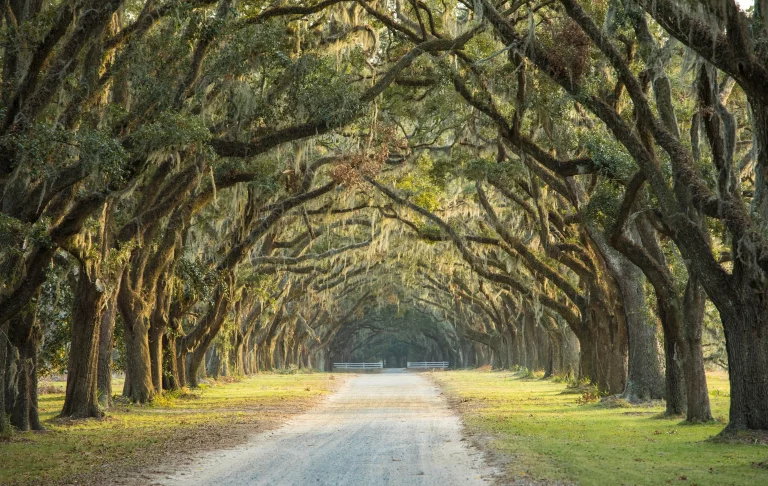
(388, 428)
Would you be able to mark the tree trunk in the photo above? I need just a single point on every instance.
(522, 357)
(745, 319)
(11, 376)
(25, 414)
(157, 328)
(746, 338)
(238, 363)
(21, 406)
(674, 381)
(194, 360)
(5, 426)
(198, 354)
(531, 351)
(155, 341)
(197, 342)
(181, 365)
(106, 347)
(693, 364)
(549, 367)
(170, 365)
(245, 354)
(644, 376)
(81, 398)
(33, 356)
(25, 336)
(603, 358)
(138, 386)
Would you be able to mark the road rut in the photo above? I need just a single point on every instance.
(388, 428)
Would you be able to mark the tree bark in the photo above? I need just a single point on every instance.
(181, 364)
(747, 345)
(106, 347)
(159, 322)
(678, 315)
(81, 398)
(25, 414)
(5, 426)
(604, 349)
(25, 336)
(155, 341)
(170, 365)
(138, 386)
(197, 355)
(644, 375)
(21, 405)
(674, 381)
(696, 389)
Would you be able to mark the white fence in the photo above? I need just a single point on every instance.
(359, 366)
(427, 364)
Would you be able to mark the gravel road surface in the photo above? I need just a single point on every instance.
(387, 428)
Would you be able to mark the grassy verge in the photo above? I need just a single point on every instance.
(537, 430)
(133, 438)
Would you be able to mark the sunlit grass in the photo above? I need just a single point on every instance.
(544, 434)
(131, 433)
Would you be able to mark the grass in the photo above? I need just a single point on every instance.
(537, 430)
(134, 437)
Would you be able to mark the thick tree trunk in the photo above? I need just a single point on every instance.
(11, 376)
(511, 346)
(549, 367)
(25, 337)
(138, 388)
(236, 354)
(680, 318)
(760, 126)
(746, 321)
(674, 381)
(5, 426)
(213, 363)
(25, 414)
(171, 377)
(106, 347)
(197, 342)
(34, 411)
(696, 389)
(20, 410)
(181, 365)
(531, 350)
(198, 354)
(644, 375)
(194, 360)
(81, 398)
(245, 353)
(158, 326)
(155, 341)
(543, 344)
(603, 358)
(746, 337)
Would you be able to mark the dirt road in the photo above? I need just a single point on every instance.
(388, 428)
